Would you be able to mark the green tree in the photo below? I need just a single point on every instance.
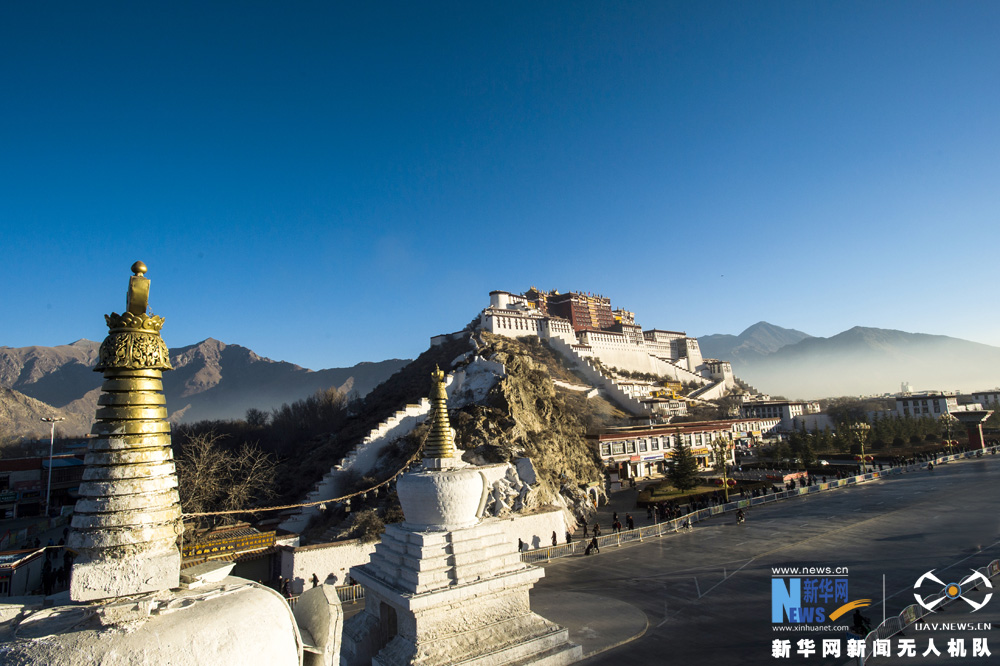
(683, 472)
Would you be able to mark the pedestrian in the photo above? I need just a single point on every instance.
(286, 591)
(597, 530)
(594, 546)
(555, 541)
(520, 546)
(585, 529)
(629, 521)
(47, 578)
(569, 538)
(649, 512)
(614, 517)
(315, 580)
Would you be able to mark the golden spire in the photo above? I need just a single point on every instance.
(440, 442)
(127, 520)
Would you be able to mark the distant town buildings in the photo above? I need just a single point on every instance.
(23, 481)
(935, 404)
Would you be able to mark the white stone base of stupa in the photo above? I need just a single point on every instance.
(458, 597)
(108, 578)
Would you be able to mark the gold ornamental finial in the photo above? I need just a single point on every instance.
(137, 299)
(134, 342)
(440, 443)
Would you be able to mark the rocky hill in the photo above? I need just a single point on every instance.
(210, 380)
(524, 414)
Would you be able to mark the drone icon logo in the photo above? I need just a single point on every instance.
(954, 590)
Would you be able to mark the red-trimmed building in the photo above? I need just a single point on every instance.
(639, 452)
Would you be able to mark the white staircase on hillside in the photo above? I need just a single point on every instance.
(713, 391)
(361, 459)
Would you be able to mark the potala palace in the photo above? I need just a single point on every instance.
(584, 326)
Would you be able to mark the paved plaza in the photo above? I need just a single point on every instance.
(704, 596)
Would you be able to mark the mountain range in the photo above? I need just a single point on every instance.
(214, 380)
(858, 361)
(211, 380)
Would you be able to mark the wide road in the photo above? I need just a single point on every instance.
(706, 593)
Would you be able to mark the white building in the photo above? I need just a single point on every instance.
(926, 404)
(719, 370)
(986, 399)
(638, 388)
(785, 411)
(665, 406)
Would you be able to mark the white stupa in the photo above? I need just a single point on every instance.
(444, 586)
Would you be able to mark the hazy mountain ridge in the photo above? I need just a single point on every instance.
(864, 360)
(210, 380)
(755, 342)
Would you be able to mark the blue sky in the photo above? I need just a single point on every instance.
(328, 184)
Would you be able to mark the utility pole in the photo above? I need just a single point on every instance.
(52, 441)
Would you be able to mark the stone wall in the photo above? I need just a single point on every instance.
(337, 558)
(535, 529)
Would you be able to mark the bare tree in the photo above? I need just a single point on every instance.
(213, 478)
(257, 418)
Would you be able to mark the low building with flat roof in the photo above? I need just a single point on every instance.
(643, 451)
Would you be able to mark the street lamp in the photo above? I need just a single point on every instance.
(861, 430)
(52, 440)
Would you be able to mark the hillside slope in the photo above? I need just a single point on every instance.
(21, 415)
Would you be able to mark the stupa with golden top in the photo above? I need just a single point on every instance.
(127, 521)
(131, 606)
(444, 586)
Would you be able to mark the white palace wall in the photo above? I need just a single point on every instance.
(595, 377)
